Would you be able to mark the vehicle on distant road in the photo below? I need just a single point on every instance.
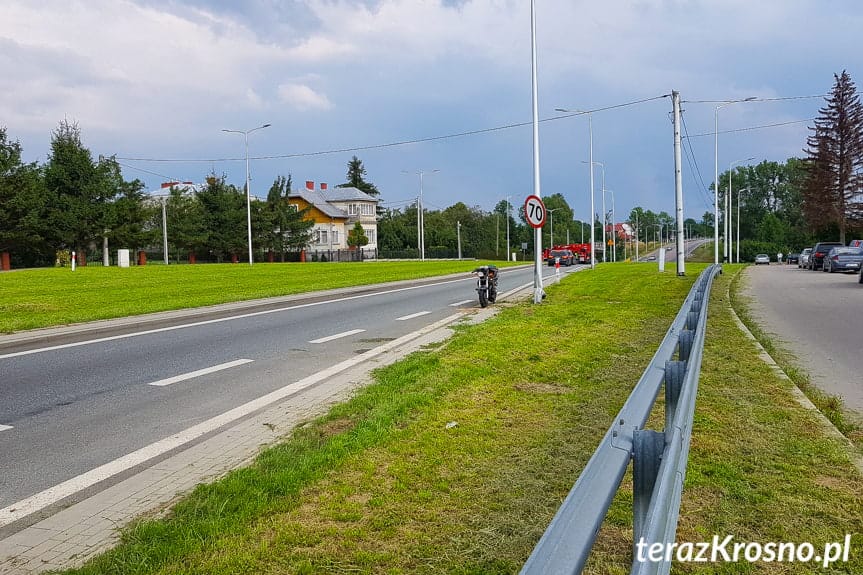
(816, 258)
(651, 258)
(803, 262)
(792, 259)
(566, 257)
(844, 259)
(762, 259)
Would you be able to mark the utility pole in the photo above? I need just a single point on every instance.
(458, 233)
(538, 292)
(678, 184)
(508, 257)
(636, 235)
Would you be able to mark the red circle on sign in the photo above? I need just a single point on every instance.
(534, 211)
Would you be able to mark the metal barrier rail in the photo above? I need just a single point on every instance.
(659, 458)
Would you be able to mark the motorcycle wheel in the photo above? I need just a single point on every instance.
(483, 299)
(492, 296)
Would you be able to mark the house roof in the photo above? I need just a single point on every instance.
(316, 199)
(346, 194)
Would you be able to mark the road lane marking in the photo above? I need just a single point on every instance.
(5, 427)
(231, 318)
(412, 316)
(200, 372)
(337, 336)
(462, 302)
(72, 486)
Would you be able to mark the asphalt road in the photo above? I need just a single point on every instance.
(818, 316)
(82, 400)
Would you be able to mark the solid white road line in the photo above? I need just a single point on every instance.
(337, 336)
(60, 491)
(412, 316)
(5, 427)
(223, 319)
(462, 302)
(200, 372)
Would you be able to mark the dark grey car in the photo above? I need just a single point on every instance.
(844, 259)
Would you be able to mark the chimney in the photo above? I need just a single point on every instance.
(310, 185)
(323, 186)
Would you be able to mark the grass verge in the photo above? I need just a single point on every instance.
(56, 296)
(455, 460)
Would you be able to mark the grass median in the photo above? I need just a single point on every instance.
(454, 460)
(56, 296)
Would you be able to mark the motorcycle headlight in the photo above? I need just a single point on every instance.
(481, 275)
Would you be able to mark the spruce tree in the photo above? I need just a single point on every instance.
(831, 195)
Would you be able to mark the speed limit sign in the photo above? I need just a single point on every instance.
(534, 211)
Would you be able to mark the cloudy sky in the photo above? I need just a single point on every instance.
(154, 82)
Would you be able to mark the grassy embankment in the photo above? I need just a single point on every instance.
(386, 484)
(56, 296)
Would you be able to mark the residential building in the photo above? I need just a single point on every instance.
(335, 211)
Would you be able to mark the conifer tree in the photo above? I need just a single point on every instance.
(831, 195)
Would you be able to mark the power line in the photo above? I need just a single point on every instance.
(691, 154)
(397, 143)
(750, 128)
(780, 99)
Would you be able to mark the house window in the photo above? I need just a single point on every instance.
(370, 234)
(335, 237)
(361, 209)
(323, 238)
(294, 207)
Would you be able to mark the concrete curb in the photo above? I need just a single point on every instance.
(825, 424)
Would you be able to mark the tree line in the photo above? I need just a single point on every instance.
(74, 202)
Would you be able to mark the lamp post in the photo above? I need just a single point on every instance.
(421, 240)
(738, 221)
(165, 229)
(613, 229)
(602, 191)
(716, 174)
(551, 227)
(730, 207)
(507, 228)
(245, 134)
(591, 162)
(458, 233)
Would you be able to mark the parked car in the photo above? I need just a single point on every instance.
(803, 262)
(816, 258)
(843, 259)
(856, 244)
(792, 259)
(566, 257)
(762, 259)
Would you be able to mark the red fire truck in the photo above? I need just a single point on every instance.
(581, 251)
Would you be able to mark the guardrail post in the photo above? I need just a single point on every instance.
(647, 447)
(674, 372)
(684, 344)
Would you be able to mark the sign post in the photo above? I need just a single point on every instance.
(534, 212)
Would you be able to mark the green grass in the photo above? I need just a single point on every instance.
(56, 296)
(382, 484)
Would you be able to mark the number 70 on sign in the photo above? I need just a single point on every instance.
(534, 211)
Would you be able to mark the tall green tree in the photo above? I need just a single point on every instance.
(284, 227)
(224, 208)
(187, 227)
(835, 158)
(357, 236)
(356, 178)
(82, 188)
(24, 230)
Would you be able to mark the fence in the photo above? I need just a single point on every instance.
(659, 458)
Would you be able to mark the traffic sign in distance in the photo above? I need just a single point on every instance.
(534, 211)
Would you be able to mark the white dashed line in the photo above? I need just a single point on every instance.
(412, 316)
(337, 336)
(5, 427)
(458, 303)
(200, 372)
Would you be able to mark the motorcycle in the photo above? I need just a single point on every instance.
(486, 284)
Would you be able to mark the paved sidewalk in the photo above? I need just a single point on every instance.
(72, 536)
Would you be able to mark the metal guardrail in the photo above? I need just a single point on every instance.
(659, 458)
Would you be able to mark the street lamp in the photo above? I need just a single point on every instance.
(728, 210)
(421, 240)
(507, 228)
(551, 226)
(738, 221)
(591, 162)
(613, 229)
(716, 174)
(245, 134)
(602, 191)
